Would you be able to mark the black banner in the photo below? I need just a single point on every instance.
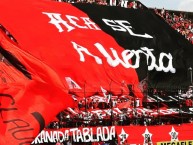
(129, 28)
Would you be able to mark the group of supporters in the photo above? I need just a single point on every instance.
(124, 111)
(122, 3)
(105, 115)
(178, 22)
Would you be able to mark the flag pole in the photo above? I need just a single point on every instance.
(111, 103)
(85, 98)
(190, 69)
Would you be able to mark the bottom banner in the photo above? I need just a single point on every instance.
(160, 135)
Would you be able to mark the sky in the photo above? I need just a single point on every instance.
(179, 5)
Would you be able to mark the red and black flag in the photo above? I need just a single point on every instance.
(159, 51)
(64, 48)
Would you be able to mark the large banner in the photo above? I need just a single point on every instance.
(60, 49)
(123, 134)
(75, 38)
(158, 51)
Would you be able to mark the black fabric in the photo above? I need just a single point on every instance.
(165, 39)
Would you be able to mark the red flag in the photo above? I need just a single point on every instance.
(75, 47)
(29, 99)
(124, 105)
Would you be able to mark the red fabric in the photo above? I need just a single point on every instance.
(124, 105)
(27, 23)
(27, 105)
(97, 143)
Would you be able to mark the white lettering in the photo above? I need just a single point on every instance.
(81, 49)
(170, 66)
(56, 19)
(106, 131)
(112, 133)
(74, 130)
(124, 26)
(127, 55)
(51, 136)
(55, 136)
(86, 136)
(37, 139)
(114, 26)
(99, 134)
(48, 137)
(79, 136)
(61, 136)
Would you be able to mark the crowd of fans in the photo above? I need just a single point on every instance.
(178, 22)
(84, 115)
(122, 111)
(123, 3)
